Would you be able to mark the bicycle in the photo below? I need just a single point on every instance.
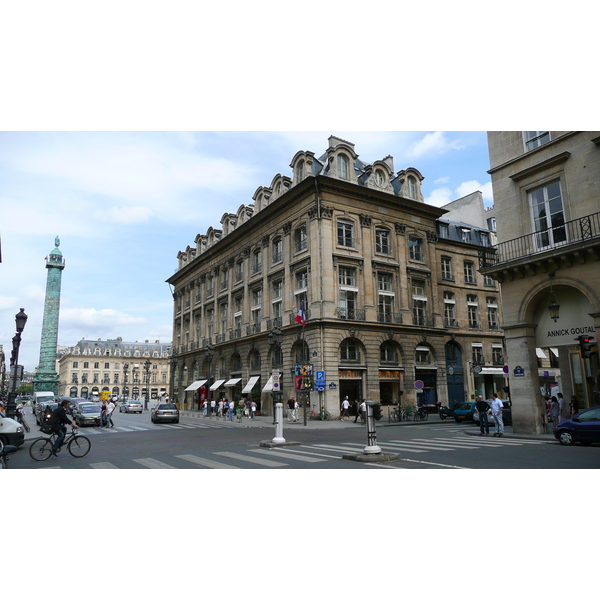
(323, 415)
(77, 445)
(421, 414)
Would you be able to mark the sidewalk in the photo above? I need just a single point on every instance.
(267, 421)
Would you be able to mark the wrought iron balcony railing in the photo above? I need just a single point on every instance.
(394, 318)
(567, 234)
(351, 314)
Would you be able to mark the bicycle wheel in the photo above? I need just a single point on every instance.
(325, 415)
(79, 446)
(41, 449)
(425, 416)
(396, 416)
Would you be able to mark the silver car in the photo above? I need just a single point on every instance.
(88, 414)
(165, 413)
(131, 406)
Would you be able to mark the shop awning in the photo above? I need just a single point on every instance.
(195, 385)
(251, 383)
(233, 382)
(492, 371)
(540, 353)
(217, 384)
(269, 386)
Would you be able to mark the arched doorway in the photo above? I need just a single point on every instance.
(455, 374)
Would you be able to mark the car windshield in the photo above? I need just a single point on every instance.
(167, 407)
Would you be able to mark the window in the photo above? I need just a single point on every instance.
(223, 318)
(257, 297)
(86, 365)
(276, 303)
(75, 365)
(107, 365)
(256, 261)
(347, 308)
(477, 354)
(301, 280)
(416, 248)
(450, 310)
(384, 282)
(379, 178)
(385, 308)
(423, 355)
(277, 250)
(469, 272)
(388, 353)
(497, 355)
(443, 231)
(345, 234)
(210, 287)
(210, 320)
(447, 268)
(491, 223)
(382, 241)
(489, 281)
(534, 139)
(349, 351)
(224, 278)
(492, 308)
(473, 311)
(411, 188)
(548, 215)
(419, 302)
(301, 291)
(485, 239)
(300, 171)
(347, 276)
(300, 238)
(343, 166)
(466, 235)
(239, 271)
(277, 289)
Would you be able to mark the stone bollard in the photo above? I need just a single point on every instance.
(279, 439)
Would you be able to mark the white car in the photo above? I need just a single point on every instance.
(11, 431)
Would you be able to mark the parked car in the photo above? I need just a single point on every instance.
(131, 406)
(43, 410)
(77, 406)
(584, 427)
(506, 415)
(464, 411)
(165, 413)
(88, 414)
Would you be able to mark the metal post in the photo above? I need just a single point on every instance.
(20, 319)
(371, 447)
(279, 439)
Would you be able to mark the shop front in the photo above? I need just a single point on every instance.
(390, 386)
(351, 385)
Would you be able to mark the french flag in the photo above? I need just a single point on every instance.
(301, 316)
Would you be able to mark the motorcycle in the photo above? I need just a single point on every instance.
(444, 412)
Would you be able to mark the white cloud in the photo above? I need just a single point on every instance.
(468, 187)
(442, 180)
(106, 319)
(432, 144)
(126, 215)
(440, 196)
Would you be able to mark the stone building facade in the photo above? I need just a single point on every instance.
(90, 367)
(547, 201)
(391, 292)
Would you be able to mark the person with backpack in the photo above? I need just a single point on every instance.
(57, 421)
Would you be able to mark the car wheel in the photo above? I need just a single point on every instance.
(566, 438)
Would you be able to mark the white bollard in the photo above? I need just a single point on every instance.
(279, 439)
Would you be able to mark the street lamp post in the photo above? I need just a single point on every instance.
(20, 319)
(147, 369)
(125, 390)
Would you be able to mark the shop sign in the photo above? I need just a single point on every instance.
(349, 374)
(390, 374)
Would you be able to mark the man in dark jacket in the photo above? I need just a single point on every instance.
(58, 419)
(482, 408)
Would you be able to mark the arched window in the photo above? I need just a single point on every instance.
(343, 166)
(300, 171)
(388, 353)
(411, 188)
(349, 351)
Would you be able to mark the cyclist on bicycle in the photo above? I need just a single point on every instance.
(58, 419)
(20, 408)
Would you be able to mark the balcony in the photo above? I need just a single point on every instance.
(350, 314)
(234, 334)
(392, 318)
(253, 328)
(544, 251)
(450, 323)
(275, 323)
(293, 316)
(423, 321)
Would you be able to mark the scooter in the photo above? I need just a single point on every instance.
(444, 412)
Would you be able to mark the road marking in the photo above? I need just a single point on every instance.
(452, 444)
(314, 454)
(103, 465)
(205, 462)
(393, 447)
(152, 463)
(251, 459)
(284, 454)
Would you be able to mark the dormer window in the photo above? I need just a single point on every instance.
(411, 188)
(343, 166)
(300, 171)
(379, 178)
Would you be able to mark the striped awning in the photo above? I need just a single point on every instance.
(251, 383)
(195, 385)
(217, 384)
(269, 386)
(233, 382)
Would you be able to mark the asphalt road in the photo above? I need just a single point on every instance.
(136, 443)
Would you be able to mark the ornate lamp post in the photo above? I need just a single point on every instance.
(125, 390)
(147, 369)
(20, 319)
(275, 339)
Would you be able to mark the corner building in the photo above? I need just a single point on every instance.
(547, 202)
(391, 292)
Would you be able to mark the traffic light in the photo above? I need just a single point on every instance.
(586, 346)
(376, 408)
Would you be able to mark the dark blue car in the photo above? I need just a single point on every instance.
(584, 427)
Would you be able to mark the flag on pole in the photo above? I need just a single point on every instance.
(301, 316)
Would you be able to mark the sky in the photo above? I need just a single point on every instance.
(124, 203)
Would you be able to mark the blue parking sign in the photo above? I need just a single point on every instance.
(320, 378)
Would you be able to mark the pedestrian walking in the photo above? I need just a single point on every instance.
(296, 407)
(574, 404)
(253, 409)
(290, 404)
(213, 407)
(345, 407)
(496, 408)
(230, 410)
(357, 408)
(103, 414)
(363, 412)
(482, 408)
(563, 408)
(554, 411)
(110, 407)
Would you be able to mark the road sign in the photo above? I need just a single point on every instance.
(419, 385)
(320, 377)
(275, 382)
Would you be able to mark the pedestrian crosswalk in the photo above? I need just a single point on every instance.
(311, 455)
(155, 426)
